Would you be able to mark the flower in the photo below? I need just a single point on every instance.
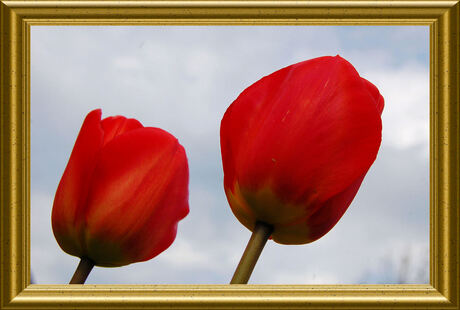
(123, 192)
(296, 146)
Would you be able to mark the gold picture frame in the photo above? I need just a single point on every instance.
(443, 18)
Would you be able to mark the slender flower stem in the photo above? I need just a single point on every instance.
(83, 269)
(261, 233)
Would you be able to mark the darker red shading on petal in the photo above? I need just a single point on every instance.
(332, 210)
(74, 186)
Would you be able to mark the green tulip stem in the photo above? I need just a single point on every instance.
(83, 269)
(261, 233)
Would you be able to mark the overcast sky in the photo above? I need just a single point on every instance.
(182, 79)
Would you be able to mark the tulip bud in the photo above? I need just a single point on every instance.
(123, 192)
(296, 146)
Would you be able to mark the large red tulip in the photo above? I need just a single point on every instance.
(296, 146)
(123, 192)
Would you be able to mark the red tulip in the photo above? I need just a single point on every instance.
(296, 146)
(123, 192)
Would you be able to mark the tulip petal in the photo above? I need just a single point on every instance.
(162, 225)
(114, 126)
(73, 188)
(138, 193)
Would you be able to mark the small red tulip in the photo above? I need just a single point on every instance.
(296, 146)
(123, 192)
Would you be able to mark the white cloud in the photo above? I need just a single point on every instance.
(184, 255)
(283, 277)
(127, 63)
(406, 114)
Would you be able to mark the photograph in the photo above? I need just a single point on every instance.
(156, 152)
